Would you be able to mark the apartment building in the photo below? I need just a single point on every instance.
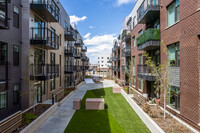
(34, 37)
(176, 24)
(103, 61)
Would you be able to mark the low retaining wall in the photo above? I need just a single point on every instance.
(153, 127)
(63, 101)
(139, 97)
(33, 126)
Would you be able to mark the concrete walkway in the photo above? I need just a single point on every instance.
(89, 81)
(61, 118)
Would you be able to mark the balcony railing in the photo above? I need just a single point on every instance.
(70, 69)
(70, 34)
(69, 51)
(44, 71)
(125, 68)
(126, 35)
(78, 68)
(126, 52)
(45, 38)
(150, 38)
(148, 11)
(4, 14)
(46, 9)
(84, 58)
(78, 43)
(145, 72)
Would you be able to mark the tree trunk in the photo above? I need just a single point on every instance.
(164, 105)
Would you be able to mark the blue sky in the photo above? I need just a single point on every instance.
(98, 21)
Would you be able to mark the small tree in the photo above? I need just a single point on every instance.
(129, 73)
(161, 73)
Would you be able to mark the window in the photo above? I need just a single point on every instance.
(173, 12)
(52, 35)
(15, 55)
(53, 58)
(3, 53)
(134, 23)
(101, 61)
(134, 81)
(16, 16)
(53, 87)
(133, 42)
(141, 84)
(140, 59)
(3, 100)
(101, 57)
(140, 32)
(174, 97)
(174, 54)
(60, 39)
(16, 94)
(108, 58)
(134, 61)
(43, 87)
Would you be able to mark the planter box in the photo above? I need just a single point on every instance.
(33, 126)
(94, 104)
(117, 89)
(63, 101)
(153, 127)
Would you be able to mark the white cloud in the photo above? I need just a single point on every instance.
(75, 19)
(99, 45)
(91, 27)
(87, 35)
(121, 2)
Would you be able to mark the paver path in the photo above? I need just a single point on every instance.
(60, 119)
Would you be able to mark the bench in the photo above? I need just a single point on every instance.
(117, 89)
(77, 104)
(94, 104)
(11, 123)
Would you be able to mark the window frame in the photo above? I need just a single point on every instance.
(176, 97)
(16, 92)
(16, 14)
(6, 100)
(175, 5)
(176, 62)
(16, 55)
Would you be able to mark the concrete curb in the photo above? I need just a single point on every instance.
(153, 127)
(33, 126)
(63, 101)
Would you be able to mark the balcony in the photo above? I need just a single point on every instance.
(144, 72)
(46, 9)
(45, 38)
(84, 49)
(70, 35)
(44, 71)
(126, 35)
(78, 68)
(69, 69)
(126, 52)
(149, 11)
(78, 43)
(124, 68)
(84, 58)
(69, 51)
(4, 75)
(150, 39)
(4, 14)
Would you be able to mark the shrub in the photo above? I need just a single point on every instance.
(28, 117)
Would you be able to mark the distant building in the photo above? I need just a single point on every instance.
(103, 61)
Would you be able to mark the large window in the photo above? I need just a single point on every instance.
(134, 81)
(174, 54)
(173, 12)
(140, 59)
(3, 100)
(53, 38)
(53, 58)
(133, 41)
(3, 53)
(15, 55)
(141, 84)
(174, 97)
(16, 16)
(39, 31)
(53, 86)
(16, 94)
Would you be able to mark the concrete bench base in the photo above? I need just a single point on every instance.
(117, 89)
(94, 104)
(77, 104)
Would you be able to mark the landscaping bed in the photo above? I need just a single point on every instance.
(128, 91)
(169, 125)
(32, 114)
(67, 91)
(118, 116)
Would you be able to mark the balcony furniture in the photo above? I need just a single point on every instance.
(94, 104)
(116, 90)
(77, 104)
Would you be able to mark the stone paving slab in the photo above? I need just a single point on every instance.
(61, 118)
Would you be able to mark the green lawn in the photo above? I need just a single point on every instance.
(118, 116)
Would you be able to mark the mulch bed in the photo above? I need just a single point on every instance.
(39, 110)
(67, 91)
(169, 125)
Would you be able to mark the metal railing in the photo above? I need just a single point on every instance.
(126, 33)
(145, 72)
(145, 6)
(46, 34)
(50, 6)
(44, 69)
(126, 52)
(70, 68)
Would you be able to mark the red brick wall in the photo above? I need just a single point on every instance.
(185, 31)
